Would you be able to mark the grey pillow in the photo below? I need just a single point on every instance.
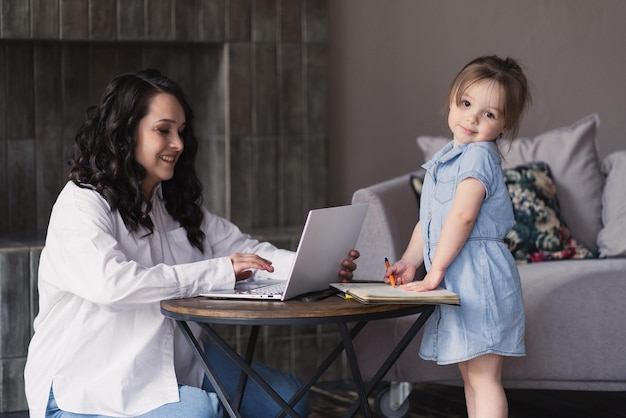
(612, 236)
(572, 155)
(431, 144)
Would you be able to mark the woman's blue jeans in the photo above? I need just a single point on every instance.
(204, 403)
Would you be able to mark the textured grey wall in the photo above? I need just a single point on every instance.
(391, 62)
(254, 71)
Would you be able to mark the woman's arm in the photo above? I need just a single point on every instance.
(90, 253)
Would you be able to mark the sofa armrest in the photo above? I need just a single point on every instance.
(391, 217)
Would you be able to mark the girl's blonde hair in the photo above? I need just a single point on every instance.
(508, 74)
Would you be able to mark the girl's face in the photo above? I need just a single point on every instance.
(479, 117)
(159, 140)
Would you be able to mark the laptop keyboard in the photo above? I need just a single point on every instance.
(273, 289)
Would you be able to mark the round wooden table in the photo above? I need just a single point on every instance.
(208, 312)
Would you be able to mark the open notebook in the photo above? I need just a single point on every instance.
(328, 235)
(372, 293)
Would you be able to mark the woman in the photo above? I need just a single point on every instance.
(127, 231)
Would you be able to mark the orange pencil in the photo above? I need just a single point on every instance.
(392, 280)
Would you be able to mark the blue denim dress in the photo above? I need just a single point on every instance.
(484, 274)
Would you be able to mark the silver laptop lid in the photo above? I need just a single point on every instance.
(328, 235)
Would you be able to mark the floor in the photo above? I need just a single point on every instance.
(329, 400)
(437, 401)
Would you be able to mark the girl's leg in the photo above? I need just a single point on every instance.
(483, 381)
(469, 393)
(194, 403)
(256, 403)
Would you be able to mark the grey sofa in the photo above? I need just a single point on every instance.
(575, 309)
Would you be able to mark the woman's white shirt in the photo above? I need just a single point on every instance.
(100, 339)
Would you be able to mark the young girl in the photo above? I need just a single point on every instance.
(127, 231)
(465, 212)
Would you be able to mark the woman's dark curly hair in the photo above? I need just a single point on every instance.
(104, 155)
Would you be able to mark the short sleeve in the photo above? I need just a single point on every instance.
(480, 161)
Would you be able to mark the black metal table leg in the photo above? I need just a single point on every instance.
(208, 369)
(394, 355)
(354, 367)
(246, 368)
(323, 366)
(243, 379)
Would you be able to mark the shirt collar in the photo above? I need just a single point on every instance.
(448, 152)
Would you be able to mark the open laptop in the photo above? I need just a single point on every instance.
(328, 235)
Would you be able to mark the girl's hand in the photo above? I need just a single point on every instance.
(348, 266)
(402, 271)
(430, 282)
(243, 263)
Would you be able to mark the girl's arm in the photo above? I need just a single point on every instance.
(454, 233)
(404, 269)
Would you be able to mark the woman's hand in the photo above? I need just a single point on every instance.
(243, 263)
(402, 272)
(430, 282)
(348, 266)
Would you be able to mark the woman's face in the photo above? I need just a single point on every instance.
(159, 140)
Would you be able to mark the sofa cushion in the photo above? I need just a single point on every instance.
(571, 153)
(574, 332)
(539, 232)
(612, 236)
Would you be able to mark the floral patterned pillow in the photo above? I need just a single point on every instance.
(539, 233)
